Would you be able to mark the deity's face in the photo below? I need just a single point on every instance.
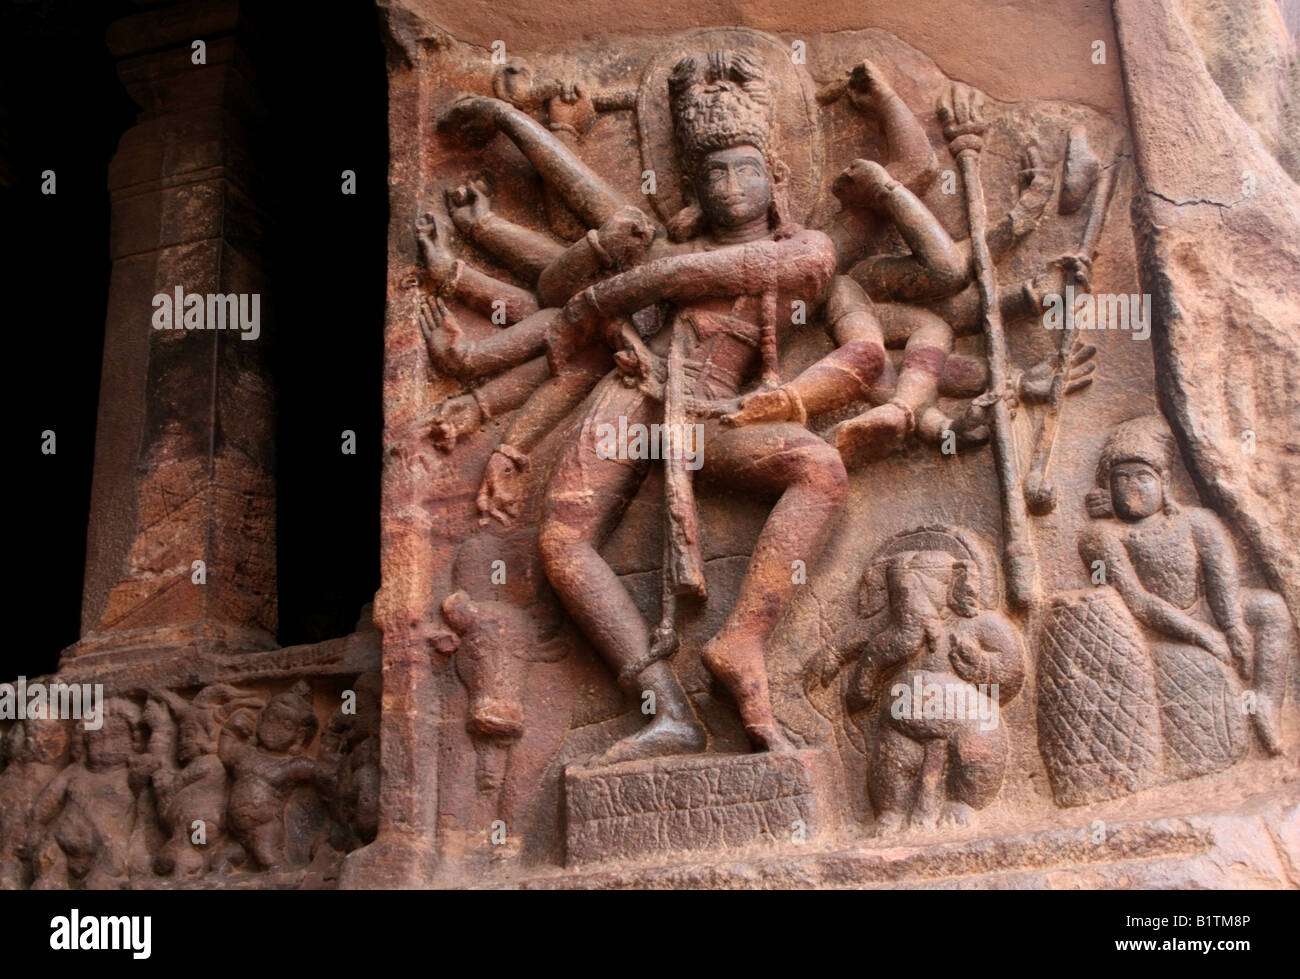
(734, 187)
(1136, 489)
(920, 581)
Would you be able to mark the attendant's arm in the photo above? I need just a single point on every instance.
(1151, 610)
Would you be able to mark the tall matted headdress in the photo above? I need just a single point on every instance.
(734, 85)
(719, 99)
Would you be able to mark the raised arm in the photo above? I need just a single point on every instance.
(616, 246)
(935, 267)
(524, 251)
(580, 187)
(911, 157)
(453, 278)
(452, 355)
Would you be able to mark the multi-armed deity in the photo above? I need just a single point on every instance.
(690, 324)
(676, 336)
(724, 506)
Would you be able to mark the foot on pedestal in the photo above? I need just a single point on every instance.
(769, 737)
(663, 736)
(674, 730)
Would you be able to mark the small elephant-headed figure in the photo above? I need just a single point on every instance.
(933, 680)
(265, 755)
(189, 780)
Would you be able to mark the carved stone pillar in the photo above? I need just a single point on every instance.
(184, 456)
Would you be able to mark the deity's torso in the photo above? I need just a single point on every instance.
(723, 334)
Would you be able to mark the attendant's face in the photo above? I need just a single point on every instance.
(734, 187)
(111, 745)
(279, 727)
(1136, 490)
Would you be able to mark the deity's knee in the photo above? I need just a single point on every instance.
(817, 465)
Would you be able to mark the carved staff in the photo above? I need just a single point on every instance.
(1041, 496)
(685, 574)
(964, 127)
(683, 571)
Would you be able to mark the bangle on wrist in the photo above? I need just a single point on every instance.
(798, 413)
(448, 288)
(907, 409)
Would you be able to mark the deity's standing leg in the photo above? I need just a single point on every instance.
(809, 476)
(584, 501)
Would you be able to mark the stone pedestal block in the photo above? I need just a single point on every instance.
(696, 803)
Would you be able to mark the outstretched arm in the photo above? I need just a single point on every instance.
(617, 245)
(454, 356)
(935, 267)
(580, 187)
(482, 293)
(1222, 584)
(453, 278)
(524, 251)
(801, 265)
(939, 267)
(465, 414)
